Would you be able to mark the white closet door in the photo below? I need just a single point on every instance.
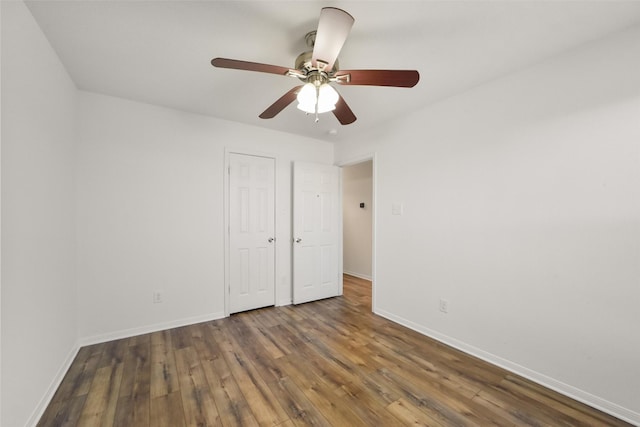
(251, 232)
(317, 236)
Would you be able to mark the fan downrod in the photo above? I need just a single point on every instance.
(310, 38)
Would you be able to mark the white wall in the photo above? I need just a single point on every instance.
(39, 306)
(522, 208)
(357, 187)
(150, 212)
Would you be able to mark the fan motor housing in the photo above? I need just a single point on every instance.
(303, 63)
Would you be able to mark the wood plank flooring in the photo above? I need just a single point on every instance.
(326, 363)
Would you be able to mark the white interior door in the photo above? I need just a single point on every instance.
(251, 232)
(317, 232)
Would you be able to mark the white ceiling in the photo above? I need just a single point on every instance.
(159, 52)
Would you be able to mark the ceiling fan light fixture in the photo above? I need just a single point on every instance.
(318, 67)
(313, 99)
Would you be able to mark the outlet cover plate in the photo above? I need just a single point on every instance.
(444, 305)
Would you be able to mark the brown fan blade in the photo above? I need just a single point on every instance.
(333, 28)
(397, 78)
(280, 104)
(248, 66)
(343, 113)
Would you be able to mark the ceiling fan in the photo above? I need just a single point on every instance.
(319, 67)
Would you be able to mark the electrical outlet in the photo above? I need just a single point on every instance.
(158, 297)
(444, 305)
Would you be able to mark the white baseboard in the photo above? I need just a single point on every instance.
(565, 389)
(127, 333)
(53, 387)
(358, 275)
(96, 339)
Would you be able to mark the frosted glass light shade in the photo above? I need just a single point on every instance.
(307, 98)
(325, 98)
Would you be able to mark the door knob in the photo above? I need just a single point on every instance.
(298, 240)
(271, 239)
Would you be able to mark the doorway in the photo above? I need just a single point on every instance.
(358, 226)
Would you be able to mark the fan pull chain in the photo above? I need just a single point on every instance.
(317, 99)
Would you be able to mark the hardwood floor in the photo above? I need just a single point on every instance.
(326, 363)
